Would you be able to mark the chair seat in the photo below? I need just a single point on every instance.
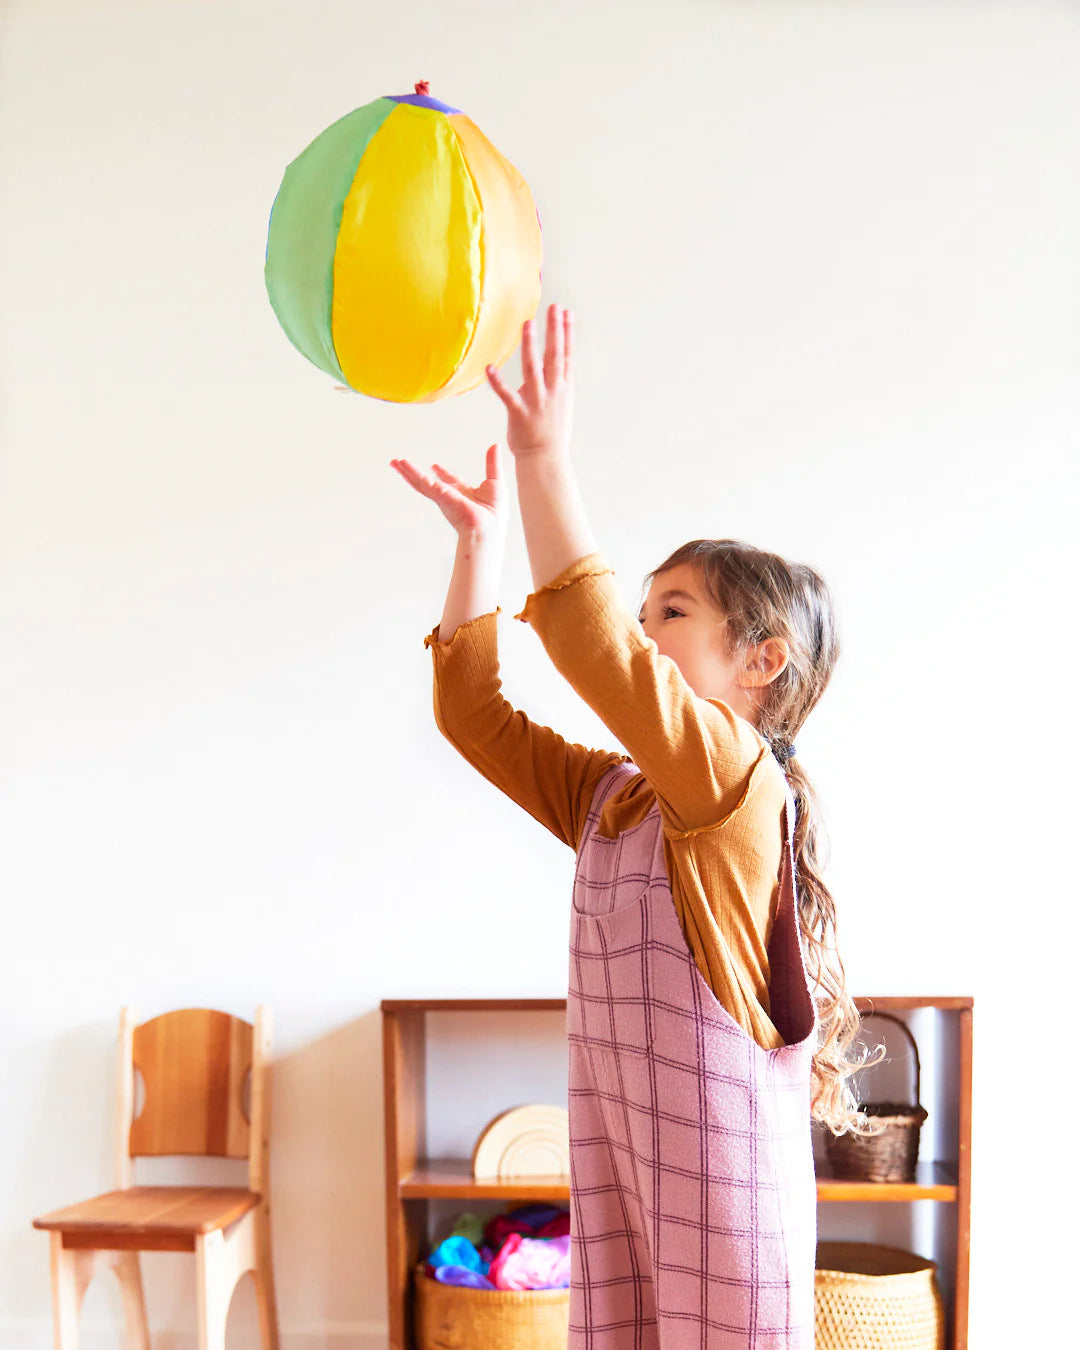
(150, 1216)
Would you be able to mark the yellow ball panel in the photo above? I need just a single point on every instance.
(511, 257)
(408, 266)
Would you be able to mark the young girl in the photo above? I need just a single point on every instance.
(695, 1057)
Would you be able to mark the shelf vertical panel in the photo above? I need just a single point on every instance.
(963, 1185)
(404, 1098)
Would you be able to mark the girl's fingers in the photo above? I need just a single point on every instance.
(555, 344)
(404, 468)
(409, 472)
(568, 344)
(424, 484)
(448, 477)
(551, 370)
(508, 396)
(451, 495)
(530, 363)
(491, 470)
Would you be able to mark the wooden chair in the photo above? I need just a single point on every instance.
(194, 1065)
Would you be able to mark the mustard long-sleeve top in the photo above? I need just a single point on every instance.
(719, 788)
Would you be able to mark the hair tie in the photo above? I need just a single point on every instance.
(784, 752)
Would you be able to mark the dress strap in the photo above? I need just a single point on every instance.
(607, 784)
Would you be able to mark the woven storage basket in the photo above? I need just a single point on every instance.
(892, 1152)
(875, 1298)
(456, 1317)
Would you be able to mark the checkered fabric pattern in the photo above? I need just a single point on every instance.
(692, 1197)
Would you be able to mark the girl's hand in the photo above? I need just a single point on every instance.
(477, 512)
(541, 413)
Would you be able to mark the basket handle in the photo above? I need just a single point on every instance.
(914, 1048)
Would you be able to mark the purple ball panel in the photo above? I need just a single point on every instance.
(423, 101)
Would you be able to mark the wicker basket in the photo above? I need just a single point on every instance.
(875, 1298)
(457, 1317)
(891, 1153)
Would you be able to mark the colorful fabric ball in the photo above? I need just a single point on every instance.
(457, 1251)
(404, 251)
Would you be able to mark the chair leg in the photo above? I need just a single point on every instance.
(265, 1296)
(72, 1271)
(212, 1295)
(129, 1273)
(220, 1260)
(66, 1297)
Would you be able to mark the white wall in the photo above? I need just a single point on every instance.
(824, 262)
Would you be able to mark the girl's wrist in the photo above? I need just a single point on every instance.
(490, 536)
(541, 452)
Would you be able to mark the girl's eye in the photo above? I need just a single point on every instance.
(669, 613)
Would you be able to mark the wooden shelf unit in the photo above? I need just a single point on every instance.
(413, 1180)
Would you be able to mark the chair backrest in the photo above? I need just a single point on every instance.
(195, 1065)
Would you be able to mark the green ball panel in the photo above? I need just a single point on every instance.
(304, 224)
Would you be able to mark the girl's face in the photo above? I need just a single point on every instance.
(686, 625)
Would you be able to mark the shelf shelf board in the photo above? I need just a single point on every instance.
(933, 1181)
(451, 1178)
(421, 1005)
(960, 1003)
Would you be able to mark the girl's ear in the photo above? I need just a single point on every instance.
(763, 663)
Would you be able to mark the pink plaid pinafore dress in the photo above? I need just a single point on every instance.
(693, 1211)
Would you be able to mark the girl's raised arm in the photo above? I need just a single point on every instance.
(550, 777)
(479, 517)
(539, 419)
(697, 755)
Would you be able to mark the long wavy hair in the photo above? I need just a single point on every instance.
(760, 596)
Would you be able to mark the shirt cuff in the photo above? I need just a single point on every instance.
(433, 639)
(591, 565)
